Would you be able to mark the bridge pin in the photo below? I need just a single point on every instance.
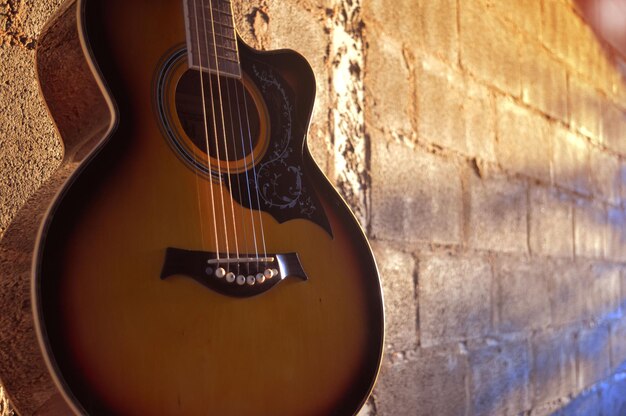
(241, 280)
(260, 278)
(220, 272)
(275, 272)
(230, 277)
(250, 280)
(268, 274)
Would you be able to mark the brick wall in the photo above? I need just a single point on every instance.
(482, 144)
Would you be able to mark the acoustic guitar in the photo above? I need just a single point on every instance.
(192, 259)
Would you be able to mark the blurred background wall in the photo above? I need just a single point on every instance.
(482, 145)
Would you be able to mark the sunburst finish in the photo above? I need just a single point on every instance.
(118, 339)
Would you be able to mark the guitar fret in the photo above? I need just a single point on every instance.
(211, 36)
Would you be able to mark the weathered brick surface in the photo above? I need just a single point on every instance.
(585, 107)
(613, 125)
(616, 235)
(389, 98)
(590, 229)
(523, 144)
(486, 49)
(553, 372)
(397, 270)
(405, 205)
(439, 28)
(402, 21)
(551, 228)
(602, 289)
(31, 159)
(618, 345)
(497, 214)
(454, 298)
(471, 128)
(568, 299)
(605, 176)
(524, 15)
(594, 352)
(431, 381)
(570, 160)
(396, 388)
(544, 81)
(522, 294)
(499, 383)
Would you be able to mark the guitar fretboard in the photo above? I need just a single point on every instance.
(211, 37)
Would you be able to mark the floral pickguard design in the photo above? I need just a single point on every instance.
(283, 190)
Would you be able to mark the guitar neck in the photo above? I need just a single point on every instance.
(211, 37)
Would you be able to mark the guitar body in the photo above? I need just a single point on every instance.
(125, 327)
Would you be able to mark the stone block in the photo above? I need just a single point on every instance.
(613, 126)
(622, 176)
(570, 162)
(397, 271)
(521, 14)
(396, 388)
(454, 298)
(605, 176)
(429, 382)
(590, 225)
(602, 290)
(522, 293)
(489, 49)
(497, 214)
(439, 28)
(479, 110)
(551, 223)
(389, 99)
(622, 299)
(567, 284)
(401, 22)
(616, 234)
(560, 26)
(469, 126)
(618, 345)
(470, 129)
(523, 144)
(544, 82)
(585, 108)
(594, 352)
(416, 196)
(440, 91)
(499, 379)
(553, 372)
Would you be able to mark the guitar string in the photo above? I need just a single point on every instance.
(217, 147)
(206, 135)
(221, 103)
(232, 128)
(243, 146)
(255, 173)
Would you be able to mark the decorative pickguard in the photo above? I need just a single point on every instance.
(283, 190)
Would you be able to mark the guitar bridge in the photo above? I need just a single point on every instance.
(240, 276)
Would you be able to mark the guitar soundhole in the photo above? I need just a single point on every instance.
(228, 121)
